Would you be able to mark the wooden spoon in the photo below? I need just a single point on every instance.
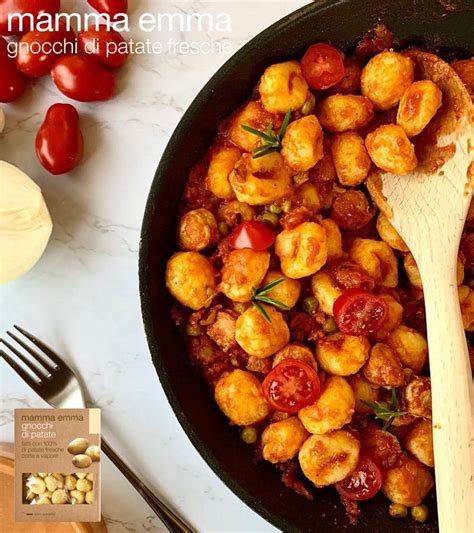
(428, 209)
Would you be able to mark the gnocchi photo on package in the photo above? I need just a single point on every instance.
(57, 465)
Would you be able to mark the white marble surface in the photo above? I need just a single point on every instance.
(82, 298)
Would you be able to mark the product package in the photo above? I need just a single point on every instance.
(57, 465)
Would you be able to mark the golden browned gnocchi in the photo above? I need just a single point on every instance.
(350, 158)
(419, 441)
(283, 87)
(384, 367)
(295, 351)
(261, 181)
(332, 410)
(252, 114)
(243, 271)
(342, 355)
(325, 291)
(191, 279)
(377, 259)
(417, 396)
(302, 145)
(344, 112)
(281, 441)
(418, 106)
(333, 238)
(391, 150)
(197, 230)
(385, 78)
(302, 250)
(389, 234)
(410, 346)
(259, 337)
(239, 396)
(309, 196)
(221, 164)
(326, 459)
(393, 317)
(364, 391)
(287, 292)
(408, 483)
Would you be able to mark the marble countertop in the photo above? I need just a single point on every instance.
(82, 297)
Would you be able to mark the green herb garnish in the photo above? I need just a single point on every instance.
(259, 295)
(387, 413)
(271, 139)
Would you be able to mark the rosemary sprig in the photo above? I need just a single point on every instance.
(259, 295)
(383, 412)
(271, 139)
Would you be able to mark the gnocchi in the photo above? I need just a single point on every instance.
(419, 442)
(389, 234)
(344, 112)
(384, 367)
(287, 292)
(377, 259)
(281, 441)
(302, 145)
(221, 164)
(350, 158)
(410, 346)
(295, 351)
(418, 106)
(326, 291)
(342, 355)
(197, 230)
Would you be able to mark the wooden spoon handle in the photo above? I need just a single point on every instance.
(451, 389)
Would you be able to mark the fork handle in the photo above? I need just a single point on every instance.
(171, 520)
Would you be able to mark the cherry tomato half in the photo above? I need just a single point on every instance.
(109, 7)
(322, 66)
(59, 142)
(12, 82)
(104, 44)
(359, 312)
(38, 50)
(252, 235)
(81, 78)
(35, 7)
(291, 385)
(364, 482)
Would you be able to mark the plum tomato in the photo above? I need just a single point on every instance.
(21, 7)
(291, 385)
(364, 482)
(104, 44)
(12, 82)
(83, 79)
(322, 66)
(359, 312)
(109, 7)
(252, 235)
(59, 142)
(50, 45)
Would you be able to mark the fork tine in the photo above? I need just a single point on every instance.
(28, 362)
(41, 360)
(42, 346)
(35, 385)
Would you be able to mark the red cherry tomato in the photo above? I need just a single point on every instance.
(291, 385)
(59, 142)
(35, 7)
(252, 235)
(81, 78)
(109, 7)
(38, 50)
(359, 312)
(12, 82)
(104, 44)
(364, 482)
(322, 66)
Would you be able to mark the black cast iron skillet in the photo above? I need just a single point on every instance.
(445, 26)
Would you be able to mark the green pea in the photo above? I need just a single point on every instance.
(193, 330)
(206, 352)
(310, 304)
(275, 208)
(330, 325)
(224, 229)
(308, 106)
(286, 205)
(249, 435)
(271, 219)
(397, 510)
(419, 513)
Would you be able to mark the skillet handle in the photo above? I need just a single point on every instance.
(170, 519)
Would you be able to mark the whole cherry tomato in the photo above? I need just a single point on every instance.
(322, 66)
(291, 385)
(109, 7)
(59, 142)
(359, 312)
(364, 482)
(104, 44)
(24, 7)
(81, 78)
(38, 50)
(12, 82)
(252, 235)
